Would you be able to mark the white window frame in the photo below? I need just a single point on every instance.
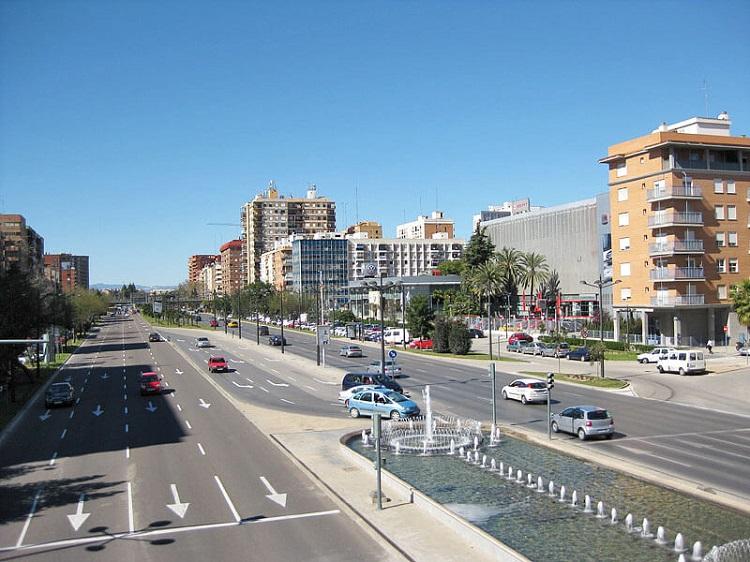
(719, 212)
(721, 265)
(721, 292)
(732, 239)
(718, 185)
(625, 243)
(731, 187)
(625, 269)
(720, 240)
(626, 294)
(623, 219)
(734, 265)
(732, 212)
(622, 194)
(621, 169)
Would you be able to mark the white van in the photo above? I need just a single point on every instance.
(396, 336)
(683, 361)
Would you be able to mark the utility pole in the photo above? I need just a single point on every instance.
(281, 306)
(494, 396)
(403, 316)
(489, 321)
(319, 311)
(601, 284)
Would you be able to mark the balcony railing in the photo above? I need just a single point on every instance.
(690, 191)
(691, 164)
(676, 273)
(679, 300)
(667, 219)
(676, 247)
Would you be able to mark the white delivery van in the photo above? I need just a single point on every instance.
(683, 361)
(396, 336)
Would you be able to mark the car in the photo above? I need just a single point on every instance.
(344, 395)
(745, 350)
(202, 342)
(533, 348)
(683, 362)
(217, 363)
(391, 368)
(213, 323)
(584, 421)
(519, 336)
(386, 402)
(59, 394)
(150, 383)
(654, 355)
(262, 330)
(476, 333)
(515, 347)
(525, 390)
(351, 351)
(374, 379)
(154, 336)
(232, 324)
(580, 354)
(560, 350)
(276, 340)
(421, 343)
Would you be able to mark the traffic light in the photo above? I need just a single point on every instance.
(550, 380)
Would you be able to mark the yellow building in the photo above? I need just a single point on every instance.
(679, 199)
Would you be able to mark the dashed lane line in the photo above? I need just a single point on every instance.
(201, 449)
(236, 515)
(287, 401)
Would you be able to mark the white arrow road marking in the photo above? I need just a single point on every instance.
(324, 382)
(178, 372)
(151, 408)
(276, 383)
(105, 376)
(204, 404)
(45, 416)
(98, 412)
(274, 496)
(79, 518)
(178, 507)
(235, 383)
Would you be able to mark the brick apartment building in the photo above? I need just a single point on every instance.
(66, 271)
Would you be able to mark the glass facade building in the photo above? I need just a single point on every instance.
(323, 260)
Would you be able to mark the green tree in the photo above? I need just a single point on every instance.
(535, 272)
(440, 337)
(509, 260)
(337, 316)
(740, 295)
(459, 340)
(452, 267)
(479, 249)
(419, 316)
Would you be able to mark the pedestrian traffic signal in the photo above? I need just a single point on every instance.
(550, 380)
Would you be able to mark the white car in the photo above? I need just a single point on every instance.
(526, 390)
(654, 355)
(344, 395)
(202, 342)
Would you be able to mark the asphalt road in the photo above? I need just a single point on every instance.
(707, 446)
(176, 476)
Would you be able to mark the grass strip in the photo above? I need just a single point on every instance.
(585, 380)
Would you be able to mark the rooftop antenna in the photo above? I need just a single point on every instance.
(705, 95)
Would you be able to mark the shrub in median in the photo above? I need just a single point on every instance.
(459, 340)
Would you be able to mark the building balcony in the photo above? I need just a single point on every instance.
(663, 220)
(676, 247)
(674, 192)
(677, 300)
(676, 274)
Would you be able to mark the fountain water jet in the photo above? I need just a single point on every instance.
(587, 504)
(493, 465)
(452, 449)
(398, 448)
(613, 516)
(539, 484)
(646, 529)
(484, 461)
(476, 442)
(574, 498)
(364, 438)
(697, 551)
(629, 522)
(551, 488)
(519, 476)
(679, 543)
(661, 535)
(600, 510)
(510, 473)
(530, 481)
(476, 457)
(562, 493)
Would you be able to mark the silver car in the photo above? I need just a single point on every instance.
(351, 351)
(391, 368)
(584, 421)
(559, 350)
(534, 348)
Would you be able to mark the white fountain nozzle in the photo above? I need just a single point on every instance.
(679, 543)
(697, 551)
(661, 535)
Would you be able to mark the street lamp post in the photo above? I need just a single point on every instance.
(239, 315)
(489, 319)
(601, 284)
(381, 288)
(281, 305)
(507, 314)
(403, 317)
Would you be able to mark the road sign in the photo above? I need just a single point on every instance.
(584, 333)
(324, 333)
(392, 354)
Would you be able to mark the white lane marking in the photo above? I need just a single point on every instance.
(28, 519)
(179, 408)
(311, 388)
(646, 453)
(227, 499)
(124, 396)
(52, 460)
(200, 448)
(126, 410)
(276, 371)
(263, 389)
(287, 401)
(485, 399)
(82, 388)
(242, 385)
(125, 386)
(63, 433)
(126, 428)
(204, 404)
(283, 384)
(127, 452)
(292, 379)
(187, 423)
(131, 522)
(249, 380)
(324, 382)
(78, 400)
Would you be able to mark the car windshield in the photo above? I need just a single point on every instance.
(202, 339)
(59, 389)
(149, 378)
(219, 359)
(598, 415)
(395, 396)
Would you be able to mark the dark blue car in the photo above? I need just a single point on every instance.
(580, 354)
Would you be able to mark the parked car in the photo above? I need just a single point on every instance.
(154, 336)
(584, 421)
(476, 333)
(580, 354)
(217, 363)
(150, 383)
(684, 362)
(519, 336)
(745, 350)
(560, 350)
(526, 390)
(59, 394)
(351, 380)
(533, 348)
(654, 355)
(213, 323)
(344, 395)
(276, 340)
(421, 343)
(391, 368)
(232, 324)
(515, 346)
(386, 402)
(396, 336)
(351, 351)
(202, 342)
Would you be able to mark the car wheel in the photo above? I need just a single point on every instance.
(395, 415)
(354, 413)
(681, 372)
(581, 434)
(583, 358)
(523, 399)
(505, 395)
(555, 428)
(644, 361)
(660, 368)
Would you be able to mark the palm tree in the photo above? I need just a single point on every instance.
(488, 279)
(740, 294)
(509, 260)
(535, 271)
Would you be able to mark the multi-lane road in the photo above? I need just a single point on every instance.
(178, 476)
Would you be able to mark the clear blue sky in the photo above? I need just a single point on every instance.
(125, 127)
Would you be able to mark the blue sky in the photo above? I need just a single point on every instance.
(125, 127)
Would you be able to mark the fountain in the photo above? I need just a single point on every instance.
(365, 440)
(460, 451)
(551, 488)
(530, 481)
(501, 470)
(484, 461)
(697, 551)
(562, 493)
(646, 529)
(681, 558)
(574, 498)
(452, 449)
(510, 473)
(519, 476)
(493, 465)
(629, 522)
(398, 448)
(600, 510)
(476, 439)
(476, 457)
(679, 543)
(587, 504)
(613, 517)
(468, 456)
(539, 484)
(661, 535)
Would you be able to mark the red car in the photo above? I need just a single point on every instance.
(421, 343)
(150, 383)
(213, 323)
(520, 336)
(216, 363)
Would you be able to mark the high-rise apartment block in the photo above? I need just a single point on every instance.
(66, 271)
(321, 262)
(196, 264)
(210, 280)
(231, 266)
(679, 198)
(270, 218)
(399, 257)
(20, 245)
(276, 265)
(364, 229)
(434, 226)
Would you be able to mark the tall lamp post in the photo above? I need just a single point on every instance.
(239, 315)
(281, 306)
(381, 287)
(601, 285)
(489, 318)
(403, 317)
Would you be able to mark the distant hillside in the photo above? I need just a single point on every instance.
(111, 286)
